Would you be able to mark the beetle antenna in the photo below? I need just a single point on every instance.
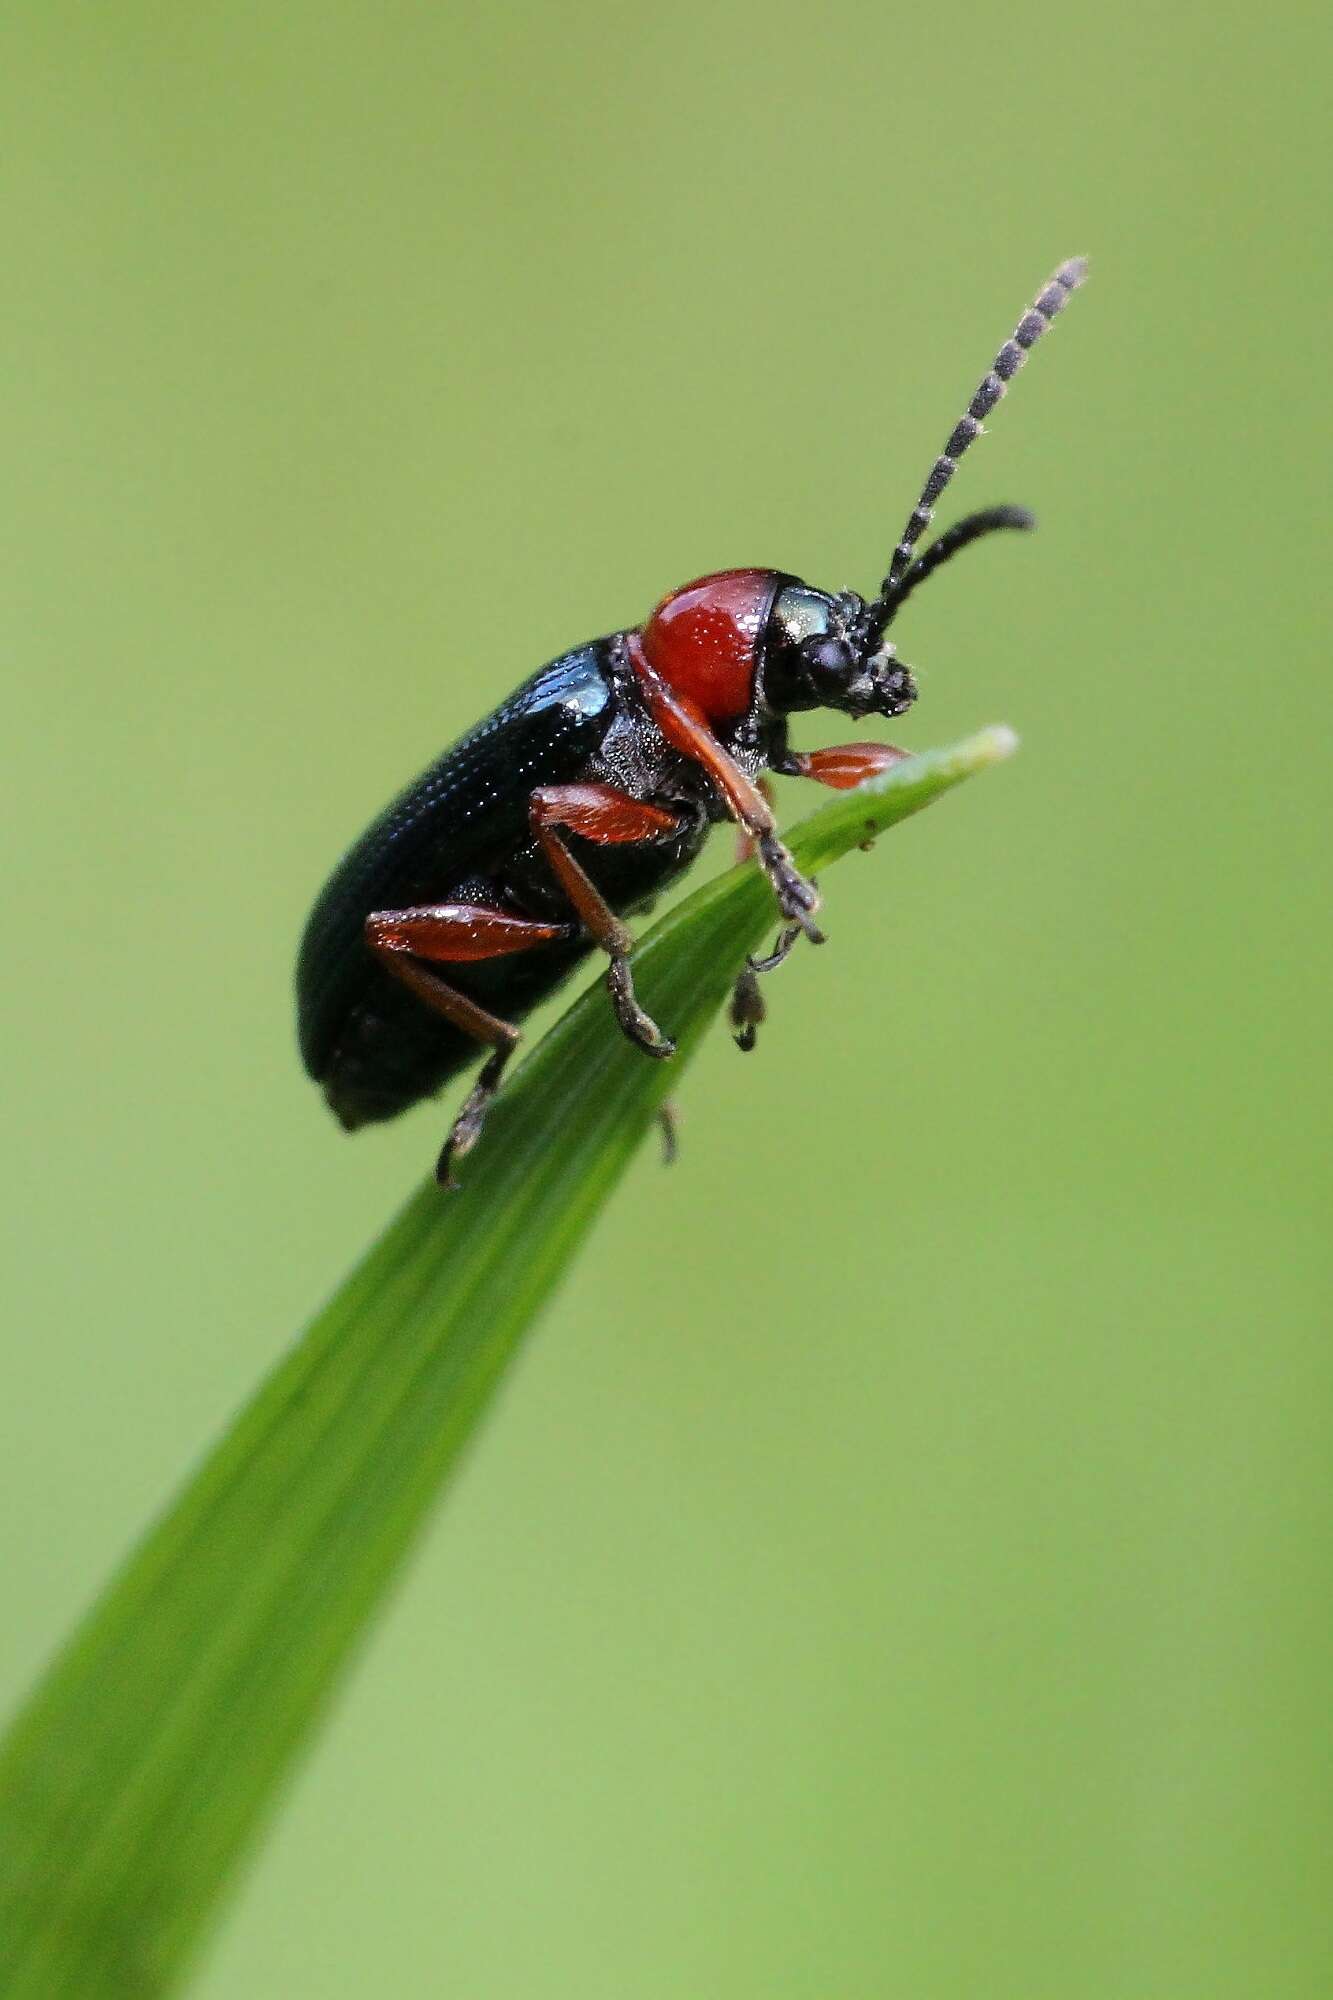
(966, 431)
(970, 529)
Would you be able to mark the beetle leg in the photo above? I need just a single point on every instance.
(456, 934)
(780, 953)
(843, 765)
(748, 1009)
(747, 1002)
(609, 817)
(745, 841)
(686, 729)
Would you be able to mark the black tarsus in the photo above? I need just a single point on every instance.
(966, 431)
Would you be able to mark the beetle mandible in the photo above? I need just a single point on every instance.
(589, 789)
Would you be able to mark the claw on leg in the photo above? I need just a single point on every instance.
(640, 1027)
(781, 951)
(466, 1128)
(748, 1007)
(797, 898)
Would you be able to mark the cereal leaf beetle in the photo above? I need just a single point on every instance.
(593, 786)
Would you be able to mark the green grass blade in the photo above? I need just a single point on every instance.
(148, 1756)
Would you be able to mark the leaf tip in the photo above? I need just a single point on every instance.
(988, 746)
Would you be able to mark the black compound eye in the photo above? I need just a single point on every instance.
(828, 656)
(806, 656)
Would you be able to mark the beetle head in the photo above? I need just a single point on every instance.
(818, 654)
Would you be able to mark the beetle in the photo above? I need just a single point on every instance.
(589, 789)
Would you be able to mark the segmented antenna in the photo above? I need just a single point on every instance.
(966, 431)
(970, 529)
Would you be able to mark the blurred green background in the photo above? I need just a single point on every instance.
(900, 1563)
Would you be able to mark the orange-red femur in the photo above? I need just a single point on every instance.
(704, 637)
